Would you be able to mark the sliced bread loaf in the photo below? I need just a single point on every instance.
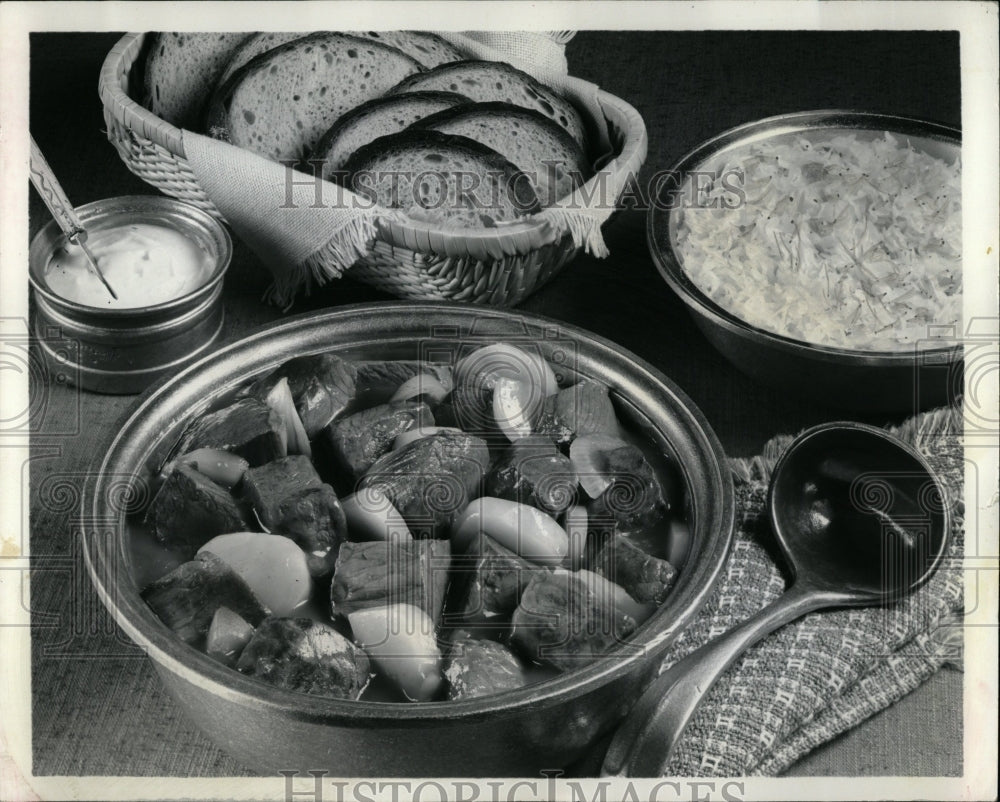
(441, 179)
(537, 145)
(280, 102)
(427, 48)
(379, 117)
(255, 45)
(181, 69)
(486, 81)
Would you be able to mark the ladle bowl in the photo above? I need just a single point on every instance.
(860, 519)
(857, 514)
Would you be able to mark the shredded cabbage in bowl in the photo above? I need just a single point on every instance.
(838, 240)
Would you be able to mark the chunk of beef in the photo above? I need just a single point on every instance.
(533, 471)
(646, 578)
(634, 500)
(582, 409)
(431, 480)
(476, 667)
(267, 484)
(291, 500)
(187, 598)
(551, 425)
(563, 622)
(247, 427)
(360, 439)
(489, 580)
(379, 573)
(300, 654)
(586, 409)
(322, 387)
(471, 410)
(190, 509)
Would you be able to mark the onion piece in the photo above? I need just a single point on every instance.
(399, 638)
(222, 467)
(227, 635)
(371, 516)
(279, 398)
(418, 433)
(274, 567)
(588, 455)
(610, 592)
(483, 366)
(423, 384)
(525, 530)
(514, 407)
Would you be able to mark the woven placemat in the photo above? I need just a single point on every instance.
(818, 677)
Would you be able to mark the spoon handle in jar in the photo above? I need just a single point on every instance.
(51, 191)
(644, 742)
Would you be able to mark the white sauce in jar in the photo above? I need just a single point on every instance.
(146, 264)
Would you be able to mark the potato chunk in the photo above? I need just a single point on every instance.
(272, 565)
(399, 638)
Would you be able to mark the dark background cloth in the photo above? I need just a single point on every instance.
(97, 705)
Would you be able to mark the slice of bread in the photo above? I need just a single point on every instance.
(255, 45)
(280, 102)
(427, 48)
(181, 69)
(537, 145)
(379, 117)
(487, 81)
(437, 178)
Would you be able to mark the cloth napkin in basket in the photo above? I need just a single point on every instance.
(308, 232)
(826, 673)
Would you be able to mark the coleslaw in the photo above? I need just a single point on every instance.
(841, 241)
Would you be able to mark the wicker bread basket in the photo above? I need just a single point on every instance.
(411, 260)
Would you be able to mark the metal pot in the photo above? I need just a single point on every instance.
(546, 725)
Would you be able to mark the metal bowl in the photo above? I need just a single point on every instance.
(126, 350)
(546, 725)
(874, 381)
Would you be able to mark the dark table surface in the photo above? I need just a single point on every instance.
(96, 703)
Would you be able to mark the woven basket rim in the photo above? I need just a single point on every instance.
(523, 235)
